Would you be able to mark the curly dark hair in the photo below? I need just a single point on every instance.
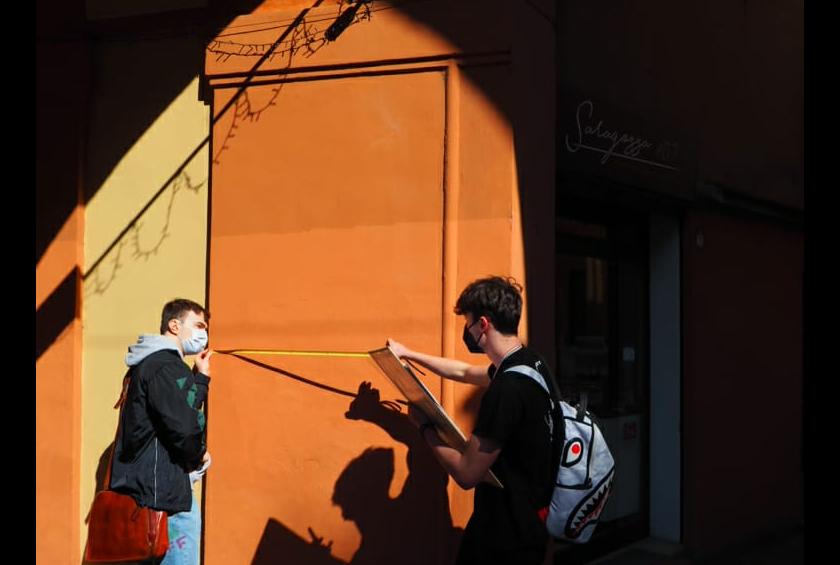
(497, 298)
(178, 308)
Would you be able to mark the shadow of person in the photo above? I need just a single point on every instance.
(413, 528)
(279, 544)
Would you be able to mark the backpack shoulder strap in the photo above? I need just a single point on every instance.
(531, 373)
(557, 428)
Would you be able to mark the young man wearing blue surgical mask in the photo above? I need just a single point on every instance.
(512, 434)
(161, 450)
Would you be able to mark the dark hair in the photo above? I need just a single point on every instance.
(176, 309)
(497, 298)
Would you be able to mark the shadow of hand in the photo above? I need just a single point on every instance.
(367, 405)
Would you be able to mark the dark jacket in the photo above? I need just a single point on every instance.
(162, 435)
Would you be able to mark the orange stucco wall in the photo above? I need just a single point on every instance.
(364, 185)
(58, 331)
(57, 448)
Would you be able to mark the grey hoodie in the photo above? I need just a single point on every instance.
(146, 345)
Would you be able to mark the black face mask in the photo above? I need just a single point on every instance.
(470, 341)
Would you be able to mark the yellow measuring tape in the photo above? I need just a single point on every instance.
(294, 353)
(299, 353)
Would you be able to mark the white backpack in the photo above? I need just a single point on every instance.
(585, 472)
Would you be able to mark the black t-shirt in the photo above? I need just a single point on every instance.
(514, 413)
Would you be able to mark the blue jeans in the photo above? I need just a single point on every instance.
(184, 537)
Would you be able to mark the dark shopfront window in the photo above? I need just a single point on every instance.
(602, 344)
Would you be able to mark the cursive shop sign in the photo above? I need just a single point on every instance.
(592, 134)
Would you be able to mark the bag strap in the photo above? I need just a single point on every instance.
(537, 376)
(534, 375)
(554, 399)
(582, 404)
(558, 430)
(120, 402)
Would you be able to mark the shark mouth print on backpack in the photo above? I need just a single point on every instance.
(585, 469)
(589, 509)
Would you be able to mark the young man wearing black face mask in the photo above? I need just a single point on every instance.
(512, 435)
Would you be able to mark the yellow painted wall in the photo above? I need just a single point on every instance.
(162, 257)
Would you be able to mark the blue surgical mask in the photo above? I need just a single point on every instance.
(196, 343)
